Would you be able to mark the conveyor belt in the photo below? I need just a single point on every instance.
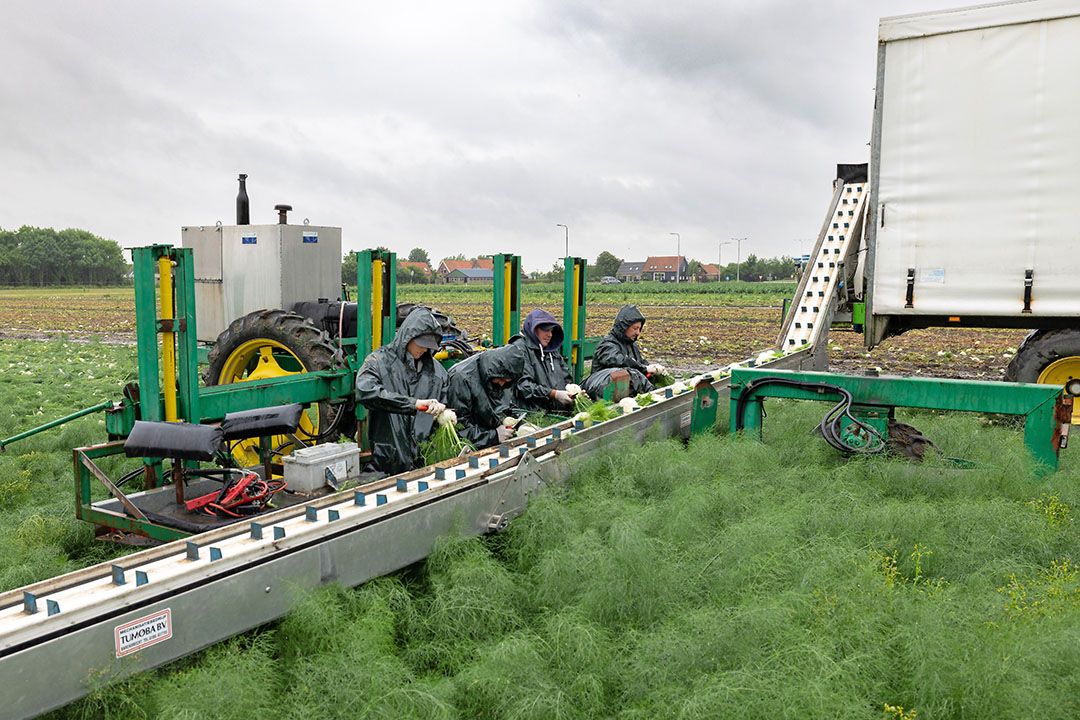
(62, 637)
(811, 313)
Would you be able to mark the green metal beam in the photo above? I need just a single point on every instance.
(575, 276)
(187, 356)
(54, 423)
(1037, 404)
(505, 298)
(146, 331)
(309, 387)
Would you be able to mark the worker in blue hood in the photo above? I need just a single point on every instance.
(403, 388)
(619, 351)
(545, 376)
(481, 393)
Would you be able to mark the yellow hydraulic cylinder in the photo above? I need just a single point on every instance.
(508, 276)
(168, 345)
(376, 303)
(574, 315)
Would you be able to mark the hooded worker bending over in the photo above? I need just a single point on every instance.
(403, 388)
(543, 382)
(619, 351)
(481, 393)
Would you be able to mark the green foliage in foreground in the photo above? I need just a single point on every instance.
(727, 579)
(42, 381)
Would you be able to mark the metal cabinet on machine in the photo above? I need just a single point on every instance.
(243, 268)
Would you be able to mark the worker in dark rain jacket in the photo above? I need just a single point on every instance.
(543, 381)
(619, 351)
(481, 393)
(403, 388)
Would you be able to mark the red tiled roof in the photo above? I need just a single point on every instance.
(452, 265)
(421, 266)
(662, 263)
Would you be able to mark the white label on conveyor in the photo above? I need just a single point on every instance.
(144, 632)
(340, 470)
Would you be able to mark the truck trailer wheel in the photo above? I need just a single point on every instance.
(1051, 357)
(268, 344)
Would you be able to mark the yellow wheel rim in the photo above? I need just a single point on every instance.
(262, 359)
(1066, 372)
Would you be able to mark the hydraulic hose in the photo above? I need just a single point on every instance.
(830, 425)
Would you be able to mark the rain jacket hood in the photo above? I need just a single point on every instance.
(389, 383)
(542, 317)
(616, 351)
(501, 362)
(627, 316)
(545, 367)
(419, 322)
(480, 405)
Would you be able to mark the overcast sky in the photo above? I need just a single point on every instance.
(457, 126)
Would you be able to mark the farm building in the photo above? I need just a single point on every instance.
(466, 276)
(630, 271)
(665, 268)
(446, 267)
(707, 272)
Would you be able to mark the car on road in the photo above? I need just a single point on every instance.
(609, 280)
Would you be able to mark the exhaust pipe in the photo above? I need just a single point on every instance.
(243, 212)
(281, 213)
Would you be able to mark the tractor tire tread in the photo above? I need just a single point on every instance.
(1039, 349)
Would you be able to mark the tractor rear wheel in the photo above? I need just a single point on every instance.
(268, 344)
(1051, 357)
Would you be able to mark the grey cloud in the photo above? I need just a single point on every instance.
(458, 127)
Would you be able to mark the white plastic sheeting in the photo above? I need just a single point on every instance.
(979, 164)
(902, 27)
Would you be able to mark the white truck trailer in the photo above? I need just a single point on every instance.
(973, 214)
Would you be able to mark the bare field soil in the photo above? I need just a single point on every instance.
(686, 331)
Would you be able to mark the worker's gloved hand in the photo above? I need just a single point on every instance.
(562, 397)
(504, 433)
(431, 406)
(656, 369)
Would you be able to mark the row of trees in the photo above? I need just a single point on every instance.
(752, 269)
(404, 274)
(43, 256)
(755, 269)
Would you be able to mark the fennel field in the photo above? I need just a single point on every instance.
(727, 578)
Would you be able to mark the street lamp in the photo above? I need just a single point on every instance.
(567, 238)
(678, 255)
(720, 258)
(738, 256)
